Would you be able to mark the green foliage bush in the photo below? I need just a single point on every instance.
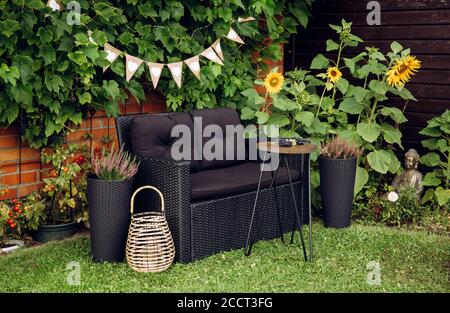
(438, 180)
(51, 73)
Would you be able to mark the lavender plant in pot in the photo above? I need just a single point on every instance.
(337, 167)
(109, 192)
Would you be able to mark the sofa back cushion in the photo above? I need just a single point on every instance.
(233, 143)
(151, 135)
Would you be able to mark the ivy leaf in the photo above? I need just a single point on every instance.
(47, 52)
(8, 27)
(112, 88)
(394, 113)
(351, 106)
(306, 118)
(136, 90)
(35, 4)
(379, 160)
(368, 132)
(319, 62)
(24, 64)
(85, 98)
(430, 159)
(78, 57)
(53, 82)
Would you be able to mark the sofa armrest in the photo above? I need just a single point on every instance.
(173, 179)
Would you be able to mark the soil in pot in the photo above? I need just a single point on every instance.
(46, 233)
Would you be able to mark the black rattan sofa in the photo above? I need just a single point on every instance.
(208, 202)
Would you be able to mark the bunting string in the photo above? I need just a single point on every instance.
(213, 53)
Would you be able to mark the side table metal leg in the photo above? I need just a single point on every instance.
(280, 224)
(299, 221)
(249, 244)
(309, 210)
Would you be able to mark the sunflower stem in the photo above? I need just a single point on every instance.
(320, 102)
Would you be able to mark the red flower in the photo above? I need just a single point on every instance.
(377, 211)
(80, 160)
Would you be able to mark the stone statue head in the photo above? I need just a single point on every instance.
(411, 159)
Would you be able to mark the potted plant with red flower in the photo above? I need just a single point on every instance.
(63, 193)
(16, 216)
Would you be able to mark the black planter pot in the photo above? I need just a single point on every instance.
(337, 182)
(46, 233)
(109, 217)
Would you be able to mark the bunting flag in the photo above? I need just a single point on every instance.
(55, 5)
(176, 69)
(194, 65)
(232, 35)
(246, 19)
(112, 54)
(132, 64)
(211, 55)
(218, 49)
(155, 72)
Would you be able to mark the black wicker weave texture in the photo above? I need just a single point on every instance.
(337, 177)
(109, 215)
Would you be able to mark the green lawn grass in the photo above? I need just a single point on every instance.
(410, 261)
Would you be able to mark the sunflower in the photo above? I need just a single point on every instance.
(402, 71)
(334, 74)
(273, 82)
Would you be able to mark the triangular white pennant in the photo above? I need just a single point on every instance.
(155, 72)
(112, 54)
(232, 35)
(218, 49)
(194, 65)
(131, 65)
(211, 55)
(246, 19)
(177, 70)
(55, 5)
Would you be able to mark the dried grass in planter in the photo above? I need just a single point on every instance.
(150, 246)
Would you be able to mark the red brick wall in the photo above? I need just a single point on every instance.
(21, 168)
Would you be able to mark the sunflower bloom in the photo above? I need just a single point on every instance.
(334, 74)
(402, 71)
(273, 82)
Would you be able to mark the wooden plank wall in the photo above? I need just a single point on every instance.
(422, 25)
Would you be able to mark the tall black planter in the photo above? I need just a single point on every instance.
(109, 217)
(337, 182)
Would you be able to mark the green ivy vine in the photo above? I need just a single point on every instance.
(51, 73)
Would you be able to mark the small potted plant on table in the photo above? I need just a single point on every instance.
(109, 192)
(337, 167)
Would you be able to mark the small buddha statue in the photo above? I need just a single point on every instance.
(410, 177)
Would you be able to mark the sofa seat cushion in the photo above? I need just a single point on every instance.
(232, 180)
